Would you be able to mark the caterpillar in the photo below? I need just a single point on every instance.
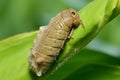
(51, 40)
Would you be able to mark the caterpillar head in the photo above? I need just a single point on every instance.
(75, 17)
(71, 17)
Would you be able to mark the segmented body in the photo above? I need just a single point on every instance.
(51, 40)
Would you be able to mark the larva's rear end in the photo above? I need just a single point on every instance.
(51, 40)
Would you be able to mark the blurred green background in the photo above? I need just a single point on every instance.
(20, 16)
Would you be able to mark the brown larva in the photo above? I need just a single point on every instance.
(51, 40)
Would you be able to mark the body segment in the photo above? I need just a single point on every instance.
(51, 40)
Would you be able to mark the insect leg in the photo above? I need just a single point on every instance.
(82, 24)
(70, 34)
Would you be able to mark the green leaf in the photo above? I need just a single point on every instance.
(87, 65)
(14, 51)
(13, 57)
(94, 16)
